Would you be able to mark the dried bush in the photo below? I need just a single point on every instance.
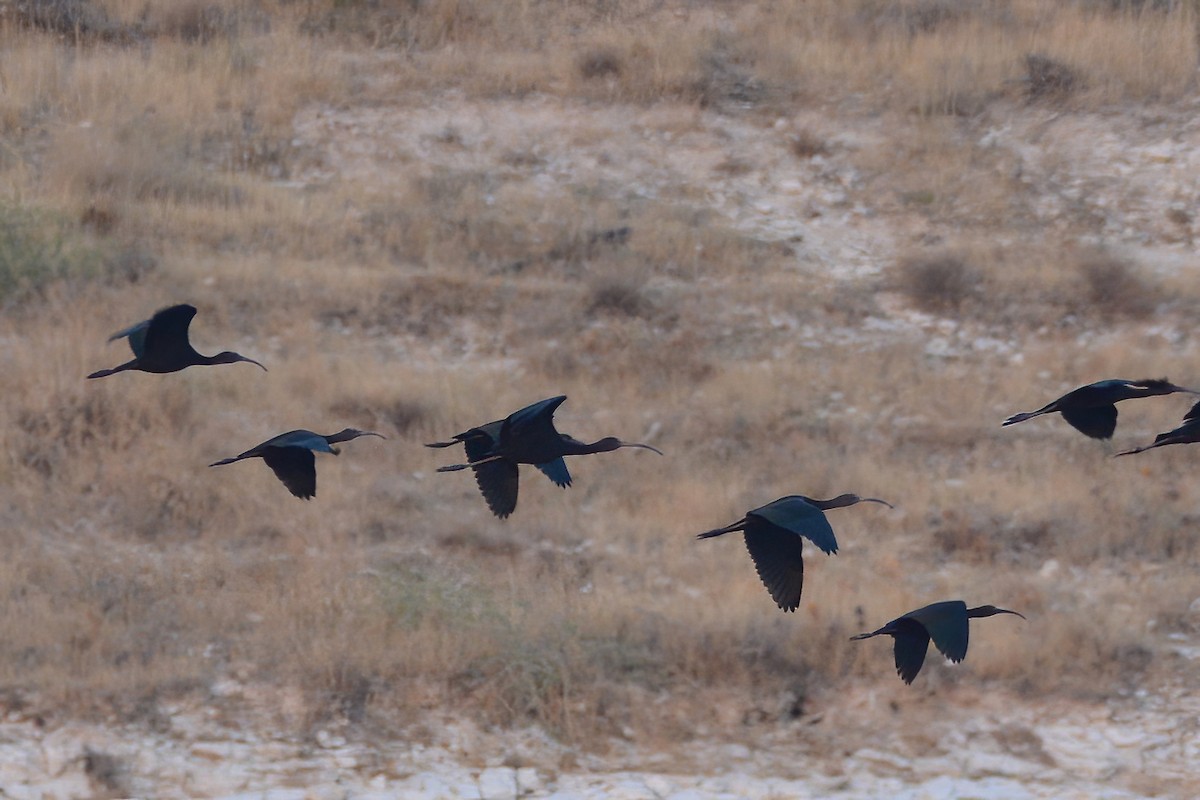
(1049, 79)
(1113, 288)
(599, 63)
(201, 21)
(108, 773)
(938, 283)
(1133, 6)
(616, 294)
(131, 264)
(725, 82)
(68, 18)
(806, 144)
(918, 16)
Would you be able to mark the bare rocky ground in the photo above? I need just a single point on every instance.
(1136, 175)
(861, 746)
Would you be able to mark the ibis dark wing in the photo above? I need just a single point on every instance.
(556, 471)
(168, 330)
(299, 438)
(538, 412)
(947, 625)
(498, 481)
(802, 518)
(532, 422)
(1098, 422)
(478, 444)
(1193, 414)
(912, 642)
(778, 559)
(296, 467)
(136, 335)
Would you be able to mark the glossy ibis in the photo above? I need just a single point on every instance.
(1186, 433)
(498, 479)
(775, 536)
(945, 622)
(290, 456)
(160, 344)
(526, 436)
(1091, 409)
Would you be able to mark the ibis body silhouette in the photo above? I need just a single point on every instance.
(160, 344)
(1186, 433)
(775, 535)
(527, 436)
(1092, 409)
(498, 479)
(290, 456)
(947, 623)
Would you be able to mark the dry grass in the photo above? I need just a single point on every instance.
(163, 161)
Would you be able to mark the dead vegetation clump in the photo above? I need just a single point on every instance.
(599, 63)
(69, 19)
(202, 22)
(108, 773)
(1049, 79)
(1112, 287)
(806, 144)
(940, 282)
(916, 17)
(620, 295)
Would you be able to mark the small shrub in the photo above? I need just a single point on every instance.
(1049, 79)
(99, 219)
(1180, 216)
(967, 543)
(936, 283)
(918, 17)
(1113, 289)
(74, 19)
(131, 265)
(599, 63)
(1133, 6)
(619, 295)
(347, 694)
(806, 144)
(725, 83)
(201, 22)
(404, 416)
(36, 249)
(109, 773)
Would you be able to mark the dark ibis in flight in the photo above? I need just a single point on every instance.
(290, 456)
(947, 623)
(775, 535)
(1092, 409)
(498, 479)
(526, 436)
(1186, 433)
(160, 344)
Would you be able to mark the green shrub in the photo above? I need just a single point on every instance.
(38, 248)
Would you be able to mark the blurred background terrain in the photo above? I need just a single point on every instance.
(802, 247)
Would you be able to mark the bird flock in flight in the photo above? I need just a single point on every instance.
(773, 533)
